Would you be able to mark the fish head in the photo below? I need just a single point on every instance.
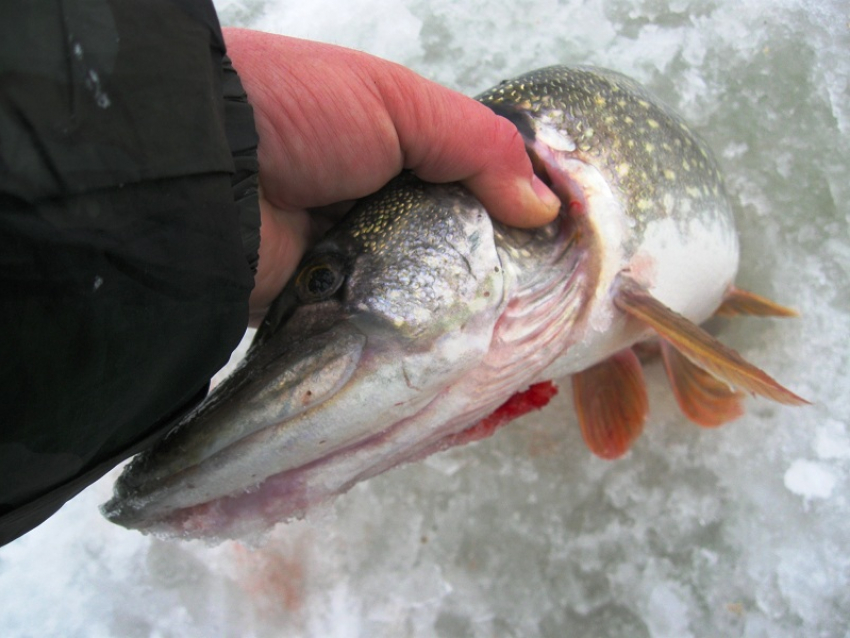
(393, 306)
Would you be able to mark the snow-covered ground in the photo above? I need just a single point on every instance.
(741, 531)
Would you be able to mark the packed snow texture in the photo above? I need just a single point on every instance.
(740, 531)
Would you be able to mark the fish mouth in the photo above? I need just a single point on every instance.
(299, 423)
(204, 458)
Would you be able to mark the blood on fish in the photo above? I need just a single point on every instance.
(534, 398)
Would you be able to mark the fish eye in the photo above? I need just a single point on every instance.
(319, 278)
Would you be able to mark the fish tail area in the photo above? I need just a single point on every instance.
(743, 303)
(699, 347)
(611, 403)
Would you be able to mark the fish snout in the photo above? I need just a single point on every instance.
(224, 445)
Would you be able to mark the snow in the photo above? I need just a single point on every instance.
(809, 479)
(740, 531)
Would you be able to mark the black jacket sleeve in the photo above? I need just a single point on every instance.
(129, 229)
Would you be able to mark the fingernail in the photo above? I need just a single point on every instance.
(548, 199)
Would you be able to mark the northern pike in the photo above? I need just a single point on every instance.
(410, 323)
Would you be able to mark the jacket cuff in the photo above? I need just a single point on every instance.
(242, 138)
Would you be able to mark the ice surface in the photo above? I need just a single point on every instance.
(743, 531)
(810, 479)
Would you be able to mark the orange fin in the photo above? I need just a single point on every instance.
(697, 345)
(611, 403)
(703, 398)
(745, 303)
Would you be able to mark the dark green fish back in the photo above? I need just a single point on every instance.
(642, 147)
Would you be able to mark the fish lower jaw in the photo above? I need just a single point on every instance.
(247, 516)
(291, 494)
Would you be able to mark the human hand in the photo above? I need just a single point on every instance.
(337, 124)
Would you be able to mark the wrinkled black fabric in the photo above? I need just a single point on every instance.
(242, 139)
(129, 229)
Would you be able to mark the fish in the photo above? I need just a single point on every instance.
(418, 323)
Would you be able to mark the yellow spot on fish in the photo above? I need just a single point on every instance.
(649, 147)
(644, 103)
(652, 123)
(644, 204)
(600, 101)
(623, 169)
(693, 191)
(669, 174)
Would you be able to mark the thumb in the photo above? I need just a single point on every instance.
(445, 136)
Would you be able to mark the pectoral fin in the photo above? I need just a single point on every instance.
(703, 398)
(698, 346)
(740, 302)
(611, 402)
